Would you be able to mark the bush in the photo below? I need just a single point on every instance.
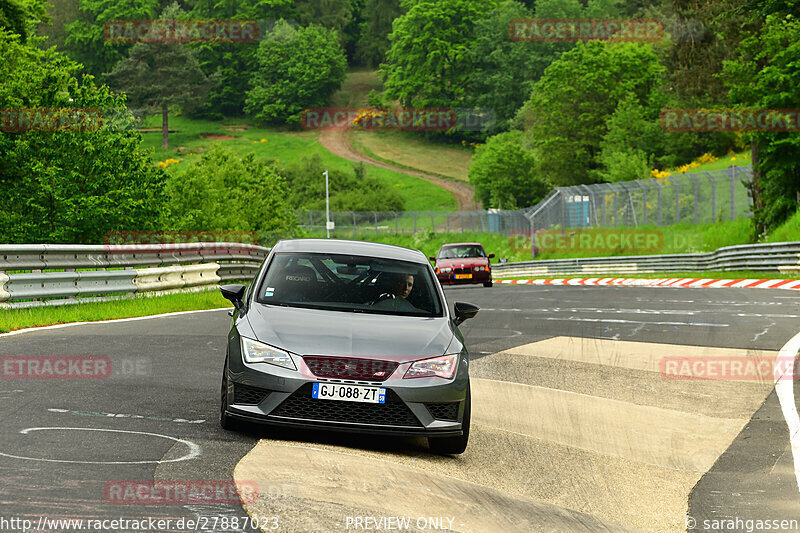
(503, 174)
(225, 192)
(348, 192)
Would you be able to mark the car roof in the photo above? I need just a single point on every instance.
(462, 244)
(342, 246)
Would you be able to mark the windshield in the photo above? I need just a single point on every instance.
(350, 283)
(469, 250)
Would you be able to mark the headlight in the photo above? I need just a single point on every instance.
(442, 367)
(480, 269)
(258, 352)
(446, 270)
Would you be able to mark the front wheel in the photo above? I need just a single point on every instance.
(487, 283)
(454, 445)
(226, 422)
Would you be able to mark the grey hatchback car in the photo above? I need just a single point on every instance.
(348, 336)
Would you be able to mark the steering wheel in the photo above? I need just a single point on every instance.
(385, 296)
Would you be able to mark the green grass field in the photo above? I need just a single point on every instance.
(286, 147)
(411, 151)
(11, 319)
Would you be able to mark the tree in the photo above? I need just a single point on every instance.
(298, 69)
(21, 16)
(429, 63)
(374, 40)
(566, 114)
(69, 186)
(765, 76)
(503, 173)
(156, 76)
(86, 40)
(234, 63)
(225, 192)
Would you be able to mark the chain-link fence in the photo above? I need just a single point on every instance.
(696, 198)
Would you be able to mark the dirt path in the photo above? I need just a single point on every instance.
(338, 142)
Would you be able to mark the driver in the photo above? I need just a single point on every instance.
(402, 285)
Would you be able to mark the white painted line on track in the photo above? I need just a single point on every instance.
(193, 453)
(131, 319)
(784, 388)
(620, 321)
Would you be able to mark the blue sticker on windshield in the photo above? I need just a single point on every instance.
(268, 294)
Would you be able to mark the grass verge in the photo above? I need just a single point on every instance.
(11, 319)
(740, 274)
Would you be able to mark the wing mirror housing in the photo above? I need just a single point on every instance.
(234, 293)
(465, 311)
(491, 256)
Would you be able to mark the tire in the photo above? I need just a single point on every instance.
(226, 422)
(454, 445)
(487, 283)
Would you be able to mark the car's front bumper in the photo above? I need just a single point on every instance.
(267, 394)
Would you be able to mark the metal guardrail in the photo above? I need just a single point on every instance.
(48, 274)
(774, 257)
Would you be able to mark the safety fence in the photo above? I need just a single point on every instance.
(775, 257)
(691, 198)
(53, 274)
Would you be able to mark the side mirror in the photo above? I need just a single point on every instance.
(234, 293)
(465, 311)
(432, 259)
(491, 256)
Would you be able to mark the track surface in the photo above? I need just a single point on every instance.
(574, 427)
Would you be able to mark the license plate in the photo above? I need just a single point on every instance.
(348, 393)
(463, 276)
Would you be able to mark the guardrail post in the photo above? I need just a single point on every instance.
(658, 201)
(433, 225)
(447, 221)
(396, 223)
(355, 224)
(677, 202)
(376, 221)
(415, 222)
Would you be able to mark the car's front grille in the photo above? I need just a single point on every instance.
(247, 395)
(465, 270)
(443, 411)
(350, 368)
(302, 406)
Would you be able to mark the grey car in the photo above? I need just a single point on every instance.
(348, 336)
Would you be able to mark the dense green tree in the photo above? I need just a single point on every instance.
(298, 69)
(765, 75)
(157, 76)
(504, 175)
(430, 63)
(234, 63)
(67, 185)
(225, 192)
(21, 16)
(86, 39)
(373, 42)
(568, 108)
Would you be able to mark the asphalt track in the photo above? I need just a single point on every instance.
(575, 427)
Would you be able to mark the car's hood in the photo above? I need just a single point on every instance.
(312, 332)
(459, 262)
